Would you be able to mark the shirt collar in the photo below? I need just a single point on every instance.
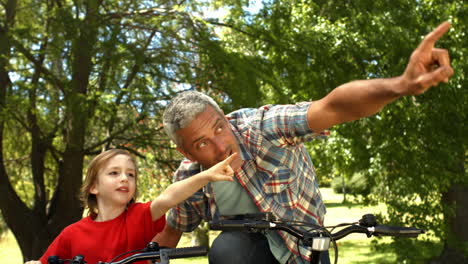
(245, 154)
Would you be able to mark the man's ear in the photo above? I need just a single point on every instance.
(186, 154)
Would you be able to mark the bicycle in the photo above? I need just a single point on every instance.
(151, 252)
(318, 238)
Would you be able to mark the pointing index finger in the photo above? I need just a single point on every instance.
(229, 159)
(435, 35)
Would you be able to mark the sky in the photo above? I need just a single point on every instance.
(254, 7)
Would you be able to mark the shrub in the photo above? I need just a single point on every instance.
(357, 185)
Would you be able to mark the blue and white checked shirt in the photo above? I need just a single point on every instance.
(277, 172)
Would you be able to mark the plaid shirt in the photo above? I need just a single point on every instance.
(277, 171)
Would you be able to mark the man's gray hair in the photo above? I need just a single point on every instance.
(183, 109)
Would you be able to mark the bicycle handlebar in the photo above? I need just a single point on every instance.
(242, 225)
(151, 253)
(398, 231)
(318, 238)
(362, 227)
(379, 230)
(172, 253)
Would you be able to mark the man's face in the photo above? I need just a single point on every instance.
(208, 139)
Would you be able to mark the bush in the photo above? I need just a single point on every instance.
(325, 182)
(357, 185)
(337, 185)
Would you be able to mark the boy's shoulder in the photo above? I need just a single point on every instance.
(72, 229)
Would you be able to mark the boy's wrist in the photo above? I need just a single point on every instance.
(204, 176)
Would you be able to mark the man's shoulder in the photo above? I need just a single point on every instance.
(247, 116)
(187, 168)
(241, 113)
(245, 113)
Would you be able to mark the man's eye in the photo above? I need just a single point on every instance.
(220, 128)
(202, 144)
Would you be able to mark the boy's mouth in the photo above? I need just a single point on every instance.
(123, 189)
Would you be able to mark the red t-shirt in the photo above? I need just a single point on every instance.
(102, 241)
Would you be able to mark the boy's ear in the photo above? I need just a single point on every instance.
(93, 190)
(186, 154)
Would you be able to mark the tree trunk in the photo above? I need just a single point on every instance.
(456, 243)
(343, 187)
(35, 228)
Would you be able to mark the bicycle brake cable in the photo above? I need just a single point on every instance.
(125, 253)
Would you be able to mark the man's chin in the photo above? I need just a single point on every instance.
(236, 164)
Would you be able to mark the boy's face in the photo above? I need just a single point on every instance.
(116, 182)
(208, 139)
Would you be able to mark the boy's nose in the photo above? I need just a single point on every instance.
(123, 177)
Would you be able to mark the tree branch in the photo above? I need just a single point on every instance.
(144, 12)
(108, 139)
(47, 74)
(38, 142)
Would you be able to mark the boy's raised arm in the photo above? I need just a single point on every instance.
(181, 190)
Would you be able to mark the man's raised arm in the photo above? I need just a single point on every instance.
(427, 67)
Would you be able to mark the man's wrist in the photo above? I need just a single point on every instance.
(397, 87)
(403, 86)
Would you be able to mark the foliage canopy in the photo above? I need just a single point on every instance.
(77, 77)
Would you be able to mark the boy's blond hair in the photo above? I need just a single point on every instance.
(98, 163)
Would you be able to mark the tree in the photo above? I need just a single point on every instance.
(415, 149)
(77, 77)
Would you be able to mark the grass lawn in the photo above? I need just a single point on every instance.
(9, 250)
(356, 248)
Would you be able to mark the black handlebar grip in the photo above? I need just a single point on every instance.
(398, 231)
(187, 252)
(78, 259)
(227, 225)
(238, 225)
(53, 260)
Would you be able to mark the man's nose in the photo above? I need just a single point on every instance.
(220, 145)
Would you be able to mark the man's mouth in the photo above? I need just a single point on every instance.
(229, 153)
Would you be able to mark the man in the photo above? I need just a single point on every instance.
(274, 171)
